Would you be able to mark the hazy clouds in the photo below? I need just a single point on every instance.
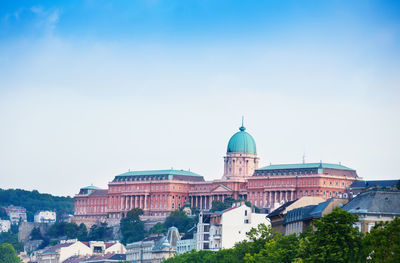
(77, 109)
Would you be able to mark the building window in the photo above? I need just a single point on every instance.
(370, 226)
(358, 226)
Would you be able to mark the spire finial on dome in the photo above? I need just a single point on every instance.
(242, 128)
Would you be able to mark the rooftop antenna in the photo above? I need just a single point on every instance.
(304, 157)
(242, 121)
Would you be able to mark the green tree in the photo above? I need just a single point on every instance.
(34, 201)
(63, 229)
(218, 205)
(36, 234)
(8, 254)
(335, 240)
(132, 228)
(179, 219)
(203, 256)
(11, 238)
(100, 232)
(82, 233)
(382, 244)
(277, 249)
(158, 229)
(258, 237)
(3, 214)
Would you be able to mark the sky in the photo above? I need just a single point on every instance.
(92, 89)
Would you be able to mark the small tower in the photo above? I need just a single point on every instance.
(241, 156)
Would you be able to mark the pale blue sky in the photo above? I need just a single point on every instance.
(90, 89)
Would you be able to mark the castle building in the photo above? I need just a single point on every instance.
(159, 192)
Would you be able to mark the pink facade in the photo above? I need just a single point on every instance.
(160, 192)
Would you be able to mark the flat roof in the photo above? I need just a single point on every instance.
(305, 166)
(160, 172)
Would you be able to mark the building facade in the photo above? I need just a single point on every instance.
(16, 214)
(45, 217)
(159, 192)
(299, 219)
(153, 249)
(5, 225)
(374, 206)
(222, 229)
(63, 251)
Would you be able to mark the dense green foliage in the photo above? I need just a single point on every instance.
(8, 254)
(132, 228)
(217, 205)
(268, 246)
(33, 201)
(35, 234)
(180, 220)
(333, 240)
(158, 229)
(382, 244)
(11, 237)
(64, 230)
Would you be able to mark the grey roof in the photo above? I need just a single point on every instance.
(306, 212)
(280, 209)
(99, 192)
(317, 211)
(156, 175)
(305, 166)
(298, 214)
(375, 202)
(367, 184)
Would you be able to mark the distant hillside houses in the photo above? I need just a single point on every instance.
(45, 217)
(16, 214)
(5, 225)
(71, 251)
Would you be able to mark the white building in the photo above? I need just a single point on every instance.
(5, 225)
(63, 251)
(225, 228)
(45, 217)
(101, 247)
(154, 249)
(186, 245)
(16, 214)
(141, 251)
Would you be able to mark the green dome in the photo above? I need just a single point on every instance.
(242, 142)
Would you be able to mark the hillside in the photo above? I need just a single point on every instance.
(34, 201)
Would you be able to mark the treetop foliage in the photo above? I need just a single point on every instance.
(8, 254)
(334, 239)
(33, 201)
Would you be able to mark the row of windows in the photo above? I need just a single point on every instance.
(137, 187)
(286, 172)
(292, 182)
(140, 178)
(91, 201)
